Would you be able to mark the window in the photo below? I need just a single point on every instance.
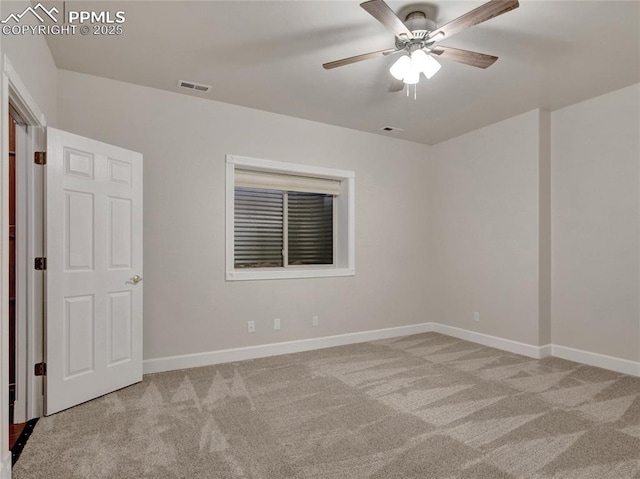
(275, 228)
(288, 221)
(310, 228)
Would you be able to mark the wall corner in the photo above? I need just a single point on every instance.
(544, 227)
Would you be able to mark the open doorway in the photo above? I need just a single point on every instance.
(22, 230)
(24, 288)
(12, 279)
(21, 240)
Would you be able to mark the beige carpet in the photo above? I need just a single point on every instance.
(423, 406)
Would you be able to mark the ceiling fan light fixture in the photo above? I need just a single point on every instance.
(401, 67)
(408, 68)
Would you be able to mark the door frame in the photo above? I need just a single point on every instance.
(15, 93)
(21, 257)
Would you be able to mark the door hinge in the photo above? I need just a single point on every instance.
(40, 369)
(40, 157)
(40, 264)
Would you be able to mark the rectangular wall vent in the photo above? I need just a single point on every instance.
(390, 128)
(193, 86)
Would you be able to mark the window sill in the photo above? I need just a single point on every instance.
(243, 275)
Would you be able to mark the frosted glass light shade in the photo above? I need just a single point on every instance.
(412, 77)
(401, 67)
(424, 63)
(430, 66)
(419, 60)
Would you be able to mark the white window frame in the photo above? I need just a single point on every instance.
(344, 230)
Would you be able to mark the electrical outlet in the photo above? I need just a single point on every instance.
(276, 324)
(251, 326)
(316, 321)
(476, 316)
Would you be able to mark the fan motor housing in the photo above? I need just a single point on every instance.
(419, 25)
(418, 22)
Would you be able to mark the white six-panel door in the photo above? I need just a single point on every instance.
(94, 269)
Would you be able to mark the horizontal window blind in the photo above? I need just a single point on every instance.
(310, 228)
(258, 228)
(284, 182)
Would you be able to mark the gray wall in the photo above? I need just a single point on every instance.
(189, 307)
(535, 224)
(441, 231)
(480, 246)
(486, 229)
(595, 174)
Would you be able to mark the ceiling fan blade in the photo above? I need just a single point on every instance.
(481, 14)
(475, 59)
(357, 58)
(383, 13)
(396, 85)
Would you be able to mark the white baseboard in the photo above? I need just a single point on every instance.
(5, 466)
(546, 350)
(536, 352)
(172, 363)
(210, 358)
(612, 363)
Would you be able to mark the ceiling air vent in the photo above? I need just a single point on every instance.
(193, 86)
(390, 128)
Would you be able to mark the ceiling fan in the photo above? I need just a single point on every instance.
(417, 39)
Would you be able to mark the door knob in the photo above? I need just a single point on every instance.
(135, 279)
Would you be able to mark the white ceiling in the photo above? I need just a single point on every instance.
(268, 55)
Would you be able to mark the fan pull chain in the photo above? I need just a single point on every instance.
(415, 91)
